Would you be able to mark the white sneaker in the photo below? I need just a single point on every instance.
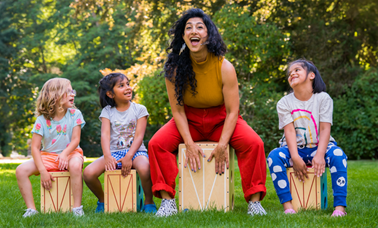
(255, 208)
(167, 208)
(30, 212)
(78, 211)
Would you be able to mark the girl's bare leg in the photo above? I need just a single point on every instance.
(91, 174)
(142, 166)
(75, 167)
(23, 172)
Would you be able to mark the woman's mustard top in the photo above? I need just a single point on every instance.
(209, 83)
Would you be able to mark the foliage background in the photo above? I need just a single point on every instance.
(42, 39)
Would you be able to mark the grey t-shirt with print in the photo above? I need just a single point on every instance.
(306, 116)
(123, 125)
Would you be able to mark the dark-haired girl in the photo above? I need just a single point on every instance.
(306, 117)
(122, 131)
(203, 93)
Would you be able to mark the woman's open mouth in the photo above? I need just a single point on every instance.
(194, 41)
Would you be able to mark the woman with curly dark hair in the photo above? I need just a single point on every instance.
(204, 97)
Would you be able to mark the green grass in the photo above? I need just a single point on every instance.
(362, 207)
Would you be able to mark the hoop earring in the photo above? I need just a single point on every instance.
(182, 48)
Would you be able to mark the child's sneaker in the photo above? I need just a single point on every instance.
(30, 212)
(78, 211)
(149, 208)
(167, 208)
(100, 207)
(255, 208)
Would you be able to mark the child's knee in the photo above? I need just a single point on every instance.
(75, 167)
(23, 171)
(337, 157)
(20, 172)
(274, 155)
(144, 171)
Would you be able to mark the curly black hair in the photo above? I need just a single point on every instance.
(178, 68)
(107, 83)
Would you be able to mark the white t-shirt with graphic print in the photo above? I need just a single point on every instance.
(123, 125)
(306, 116)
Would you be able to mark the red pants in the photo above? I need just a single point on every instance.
(207, 125)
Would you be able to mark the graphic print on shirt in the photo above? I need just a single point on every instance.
(305, 127)
(125, 134)
(65, 130)
(37, 127)
(48, 123)
(58, 129)
(72, 112)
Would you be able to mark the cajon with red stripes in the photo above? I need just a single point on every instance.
(123, 194)
(310, 194)
(59, 198)
(204, 189)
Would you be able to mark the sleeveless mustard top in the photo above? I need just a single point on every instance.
(209, 83)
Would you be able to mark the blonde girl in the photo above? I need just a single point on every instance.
(57, 129)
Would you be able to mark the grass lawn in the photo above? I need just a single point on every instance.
(362, 207)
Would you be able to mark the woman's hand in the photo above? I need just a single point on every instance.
(127, 163)
(46, 179)
(221, 157)
(193, 151)
(63, 161)
(110, 163)
(300, 168)
(318, 163)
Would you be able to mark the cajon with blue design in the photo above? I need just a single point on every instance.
(204, 189)
(310, 194)
(59, 198)
(123, 194)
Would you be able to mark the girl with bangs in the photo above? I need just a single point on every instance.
(57, 129)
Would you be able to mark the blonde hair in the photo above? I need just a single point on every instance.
(51, 93)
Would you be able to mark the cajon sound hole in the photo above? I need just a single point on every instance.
(231, 176)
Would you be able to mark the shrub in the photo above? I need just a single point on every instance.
(355, 117)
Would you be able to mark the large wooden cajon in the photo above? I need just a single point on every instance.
(59, 198)
(123, 194)
(310, 194)
(204, 189)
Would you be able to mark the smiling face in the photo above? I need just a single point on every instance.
(195, 34)
(298, 76)
(122, 92)
(68, 98)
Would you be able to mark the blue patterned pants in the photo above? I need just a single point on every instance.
(335, 159)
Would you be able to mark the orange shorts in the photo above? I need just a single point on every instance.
(49, 162)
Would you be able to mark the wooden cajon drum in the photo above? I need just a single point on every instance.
(123, 194)
(204, 189)
(310, 194)
(59, 198)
